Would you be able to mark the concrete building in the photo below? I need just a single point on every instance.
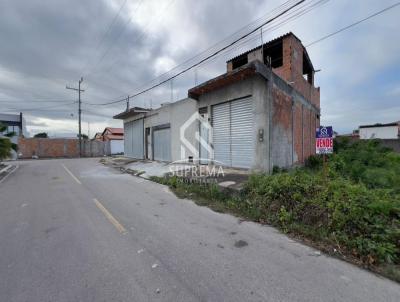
(15, 123)
(155, 134)
(380, 131)
(261, 113)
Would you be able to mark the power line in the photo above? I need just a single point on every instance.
(255, 22)
(213, 54)
(39, 108)
(285, 21)
(215, 46)
(296, 13)
(292, 16)
(144, 32)
(354, 24)
(113, 42)
(101, 40)
(33, 101)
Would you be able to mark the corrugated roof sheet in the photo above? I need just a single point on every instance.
(116, 130)
(381, 125)
(266, 43)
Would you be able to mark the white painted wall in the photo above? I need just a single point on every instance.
(389, 132)
(117, 146)
(176, 114)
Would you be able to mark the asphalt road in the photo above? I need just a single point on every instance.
(74, 230)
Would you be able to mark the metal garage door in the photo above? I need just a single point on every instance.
(162, 144)
(221, 133)
(133, 139)
(233, 133)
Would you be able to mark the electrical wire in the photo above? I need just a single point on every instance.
(293, 15)
(282, 23)
(214, 53)
(34, 101)
(113, 42)
(215, 46)
(354, 24)
(104, 35)
(144, 32)
(39, 108)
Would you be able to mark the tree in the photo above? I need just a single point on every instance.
(5, 143)
(41, 135)
(84, 136)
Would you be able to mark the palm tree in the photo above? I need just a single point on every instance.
(5, 143)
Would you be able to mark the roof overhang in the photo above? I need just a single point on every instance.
(131, 112)
(394, 124)
(228, 78)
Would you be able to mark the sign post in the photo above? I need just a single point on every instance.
(324, 143)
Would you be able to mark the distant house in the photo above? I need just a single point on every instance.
(98, 137)
(116, 138)
(380, 131)
(15, 123)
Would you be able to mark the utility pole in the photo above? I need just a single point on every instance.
(127, 104)
(79, 112)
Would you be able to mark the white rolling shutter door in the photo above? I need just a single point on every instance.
(242, 147)
(233, 133)
(133, 139)
(162, 144)
(221, 133)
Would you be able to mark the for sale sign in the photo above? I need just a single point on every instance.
(324, 140)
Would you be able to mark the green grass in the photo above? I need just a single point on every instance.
(350, 208)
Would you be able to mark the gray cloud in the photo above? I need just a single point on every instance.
(48, 44)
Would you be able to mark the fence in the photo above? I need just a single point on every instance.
(60, 147)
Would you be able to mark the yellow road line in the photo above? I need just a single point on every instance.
(72, 175)
(110, 217)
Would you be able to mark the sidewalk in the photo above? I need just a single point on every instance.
(233, 179)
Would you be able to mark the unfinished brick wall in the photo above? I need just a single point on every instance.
(281, 128)
(60, 147)
(293, 130)
(292, 70)
(298, 134)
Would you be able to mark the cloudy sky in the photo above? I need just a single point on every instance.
(122, 46)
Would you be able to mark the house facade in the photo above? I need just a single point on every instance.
(380, 131)
(261, 113)
(116, 138)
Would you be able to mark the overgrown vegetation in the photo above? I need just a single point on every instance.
(350, 207)
(6, 146)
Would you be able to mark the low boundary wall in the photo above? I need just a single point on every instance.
(61, 147)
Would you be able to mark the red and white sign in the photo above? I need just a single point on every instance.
(324, 145)
(324, 140)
